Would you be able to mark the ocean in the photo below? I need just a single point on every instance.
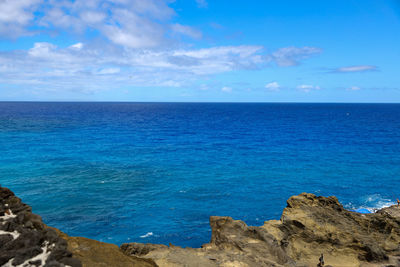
(155, 172)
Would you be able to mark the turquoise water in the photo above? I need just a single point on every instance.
(155, 172)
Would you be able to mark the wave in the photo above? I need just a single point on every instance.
(371, 204)
(146, 235)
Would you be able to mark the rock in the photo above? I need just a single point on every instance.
(34, 238)
(139, 249)
(313, 225)
(233, 243)
(21, 244)
(93, 253)
(393, 211)
(4, 239)
(309, 226)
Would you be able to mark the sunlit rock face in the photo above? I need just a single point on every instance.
(93, 253)
(309, 226)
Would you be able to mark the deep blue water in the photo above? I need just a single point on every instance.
(118, 171)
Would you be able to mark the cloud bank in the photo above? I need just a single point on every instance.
(132, 43)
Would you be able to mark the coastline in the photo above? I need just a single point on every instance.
(309, 226)
(174, 165)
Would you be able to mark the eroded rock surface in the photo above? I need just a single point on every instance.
(313, 225)
(24, 239)
(233, 243)
(94, 253)
(309, 226)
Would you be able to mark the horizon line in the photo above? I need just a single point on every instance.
(190, 102)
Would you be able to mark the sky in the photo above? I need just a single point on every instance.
(200, 50)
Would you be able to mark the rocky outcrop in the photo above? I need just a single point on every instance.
(24, 239)
(233, 243)
(94, 253)
(309, 226)
(313, 225)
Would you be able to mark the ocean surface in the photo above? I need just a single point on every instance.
(155, 172)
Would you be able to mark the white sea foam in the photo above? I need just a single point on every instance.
(372, 203)
(146, 235)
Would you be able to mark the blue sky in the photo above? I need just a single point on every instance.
(200, 50)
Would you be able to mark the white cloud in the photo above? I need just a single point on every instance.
(107, 71)
(92, 17)
(77, 46)
(80, 67)
(90, 66)
(186, 30)
(134, 44)
(354, 88)
(307, 88)
(226, 89)
(42, 50)
(131, 29)
(170, 83)
(360, 68)
(132, 24)
(291, 56)
(132, 38)
(17, 11)
(15, 15)
(273, 86)
(243, 51)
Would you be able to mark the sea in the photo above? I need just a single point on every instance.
(155, 172)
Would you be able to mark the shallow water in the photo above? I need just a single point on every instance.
(155, 172)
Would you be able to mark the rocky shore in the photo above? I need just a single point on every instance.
(25, 240)
(309, 226)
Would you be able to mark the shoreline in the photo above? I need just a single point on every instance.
(309, 226)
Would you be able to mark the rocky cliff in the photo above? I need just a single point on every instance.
(309, 226)
(24, 239)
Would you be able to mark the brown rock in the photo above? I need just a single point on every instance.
(94, 253)
(309, 226)
(233, 243)
(313, 225)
